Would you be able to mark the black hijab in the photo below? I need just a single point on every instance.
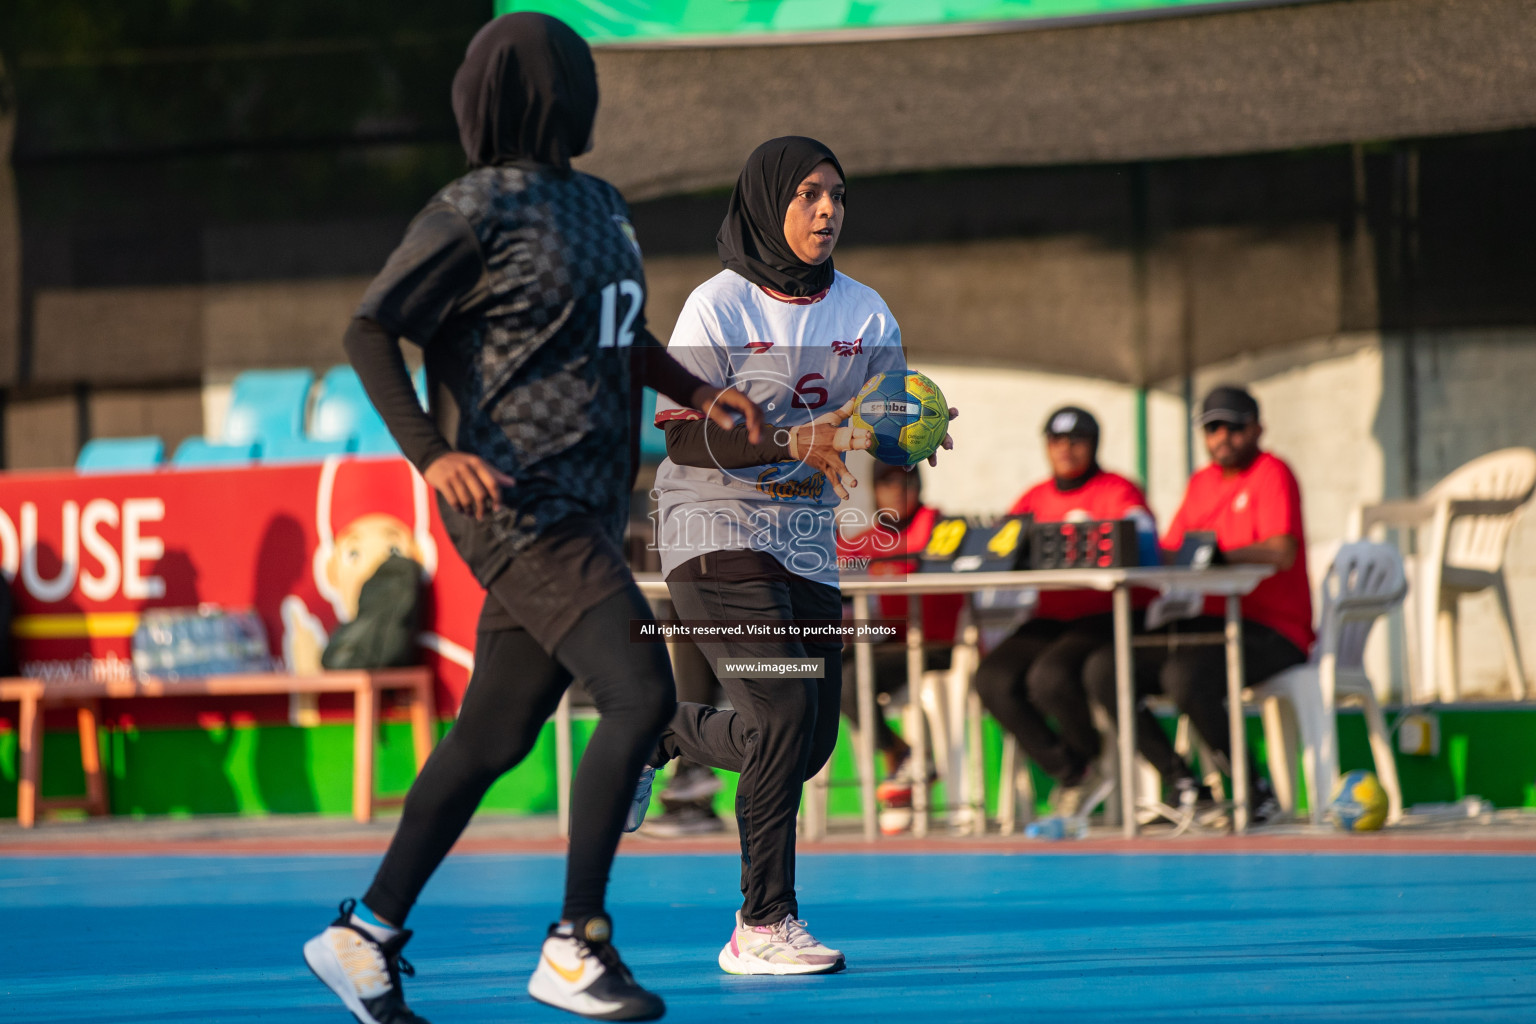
(751, 240)
(527, 91)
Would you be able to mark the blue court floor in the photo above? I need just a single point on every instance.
(942, 937)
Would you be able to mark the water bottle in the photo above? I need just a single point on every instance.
(1148, 551)
(1050, 829)
(1056, 828)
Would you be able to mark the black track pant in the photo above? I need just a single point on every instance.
(515, 687)
(1194, 677)
(1038, 673)
(781, 730)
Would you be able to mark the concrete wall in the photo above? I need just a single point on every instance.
(43, 433)
(180, 332)
(1342, 411)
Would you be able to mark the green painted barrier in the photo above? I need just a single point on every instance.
(283, 769)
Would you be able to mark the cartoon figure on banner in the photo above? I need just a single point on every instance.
(359, 528)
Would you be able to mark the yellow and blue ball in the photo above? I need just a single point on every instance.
(1359, 803)
(907, 415)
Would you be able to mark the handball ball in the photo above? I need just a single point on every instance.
(1359, 803)
(907, 415)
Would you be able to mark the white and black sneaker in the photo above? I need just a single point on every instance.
(582, 973)
(362, 971)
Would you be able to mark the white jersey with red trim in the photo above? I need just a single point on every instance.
(797, 358)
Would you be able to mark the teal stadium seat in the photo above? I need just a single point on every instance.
(653, 440)
(419, 378)
(343, 413)
(267, 405)
(114, 454)
(196, 453)
(303, 450)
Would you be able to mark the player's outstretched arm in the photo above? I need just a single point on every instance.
(720, 404)
(659, 370)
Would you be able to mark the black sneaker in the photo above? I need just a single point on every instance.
(582, 974)
(362, 971)
(1197, 805)
(1263, 804)
(694, 783)
(684, 820)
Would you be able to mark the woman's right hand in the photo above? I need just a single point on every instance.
(469, 483)
(821, 442)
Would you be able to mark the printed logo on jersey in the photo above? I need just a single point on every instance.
(629, 232)
(757, 348)
(1240, 502)
(809, 489)
(848, 348)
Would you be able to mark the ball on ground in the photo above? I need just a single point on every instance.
(1359, 803)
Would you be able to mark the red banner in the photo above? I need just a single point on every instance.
(87, 553)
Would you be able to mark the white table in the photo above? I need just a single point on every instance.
(1231, 582)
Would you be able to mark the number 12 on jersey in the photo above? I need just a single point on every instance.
(614, 334)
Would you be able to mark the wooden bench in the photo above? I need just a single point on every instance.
(85, 695)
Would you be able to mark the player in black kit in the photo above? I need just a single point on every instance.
(522, 283)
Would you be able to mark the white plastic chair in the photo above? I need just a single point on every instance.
(1460, 531)
(941, 722)
(925, 726)
(1365, 582)
(1016, 797)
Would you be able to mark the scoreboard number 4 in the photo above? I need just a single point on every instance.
(1006, 540)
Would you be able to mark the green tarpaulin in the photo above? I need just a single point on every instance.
(676, 21)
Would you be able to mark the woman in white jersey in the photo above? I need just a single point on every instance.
(747, 532)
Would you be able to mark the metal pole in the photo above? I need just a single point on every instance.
(918, 740)
(1125, 704)
(1235, 714)
(864, 674)
(563, 764)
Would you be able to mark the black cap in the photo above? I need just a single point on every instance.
(1229, 404)
(1070, 421)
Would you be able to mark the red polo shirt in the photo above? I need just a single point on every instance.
(1243, 508)
(1105, 496)
(940, 611)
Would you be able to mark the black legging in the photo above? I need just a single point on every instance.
(515, 688)
(1194, 677)
(696, 684)
(1038, 672)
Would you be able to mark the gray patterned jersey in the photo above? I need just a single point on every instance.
(526, 290)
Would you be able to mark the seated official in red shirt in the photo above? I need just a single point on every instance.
(1251, 501)
(902, 527)
(1037, 673)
